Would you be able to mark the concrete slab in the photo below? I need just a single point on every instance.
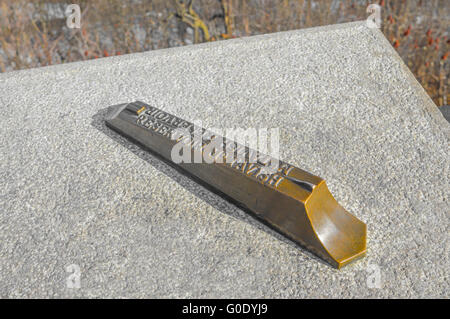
(349, 110)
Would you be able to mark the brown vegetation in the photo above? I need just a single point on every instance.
(34, 33)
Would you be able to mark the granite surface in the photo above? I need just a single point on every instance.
(75, 193)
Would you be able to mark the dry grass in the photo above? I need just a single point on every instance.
(33, 34)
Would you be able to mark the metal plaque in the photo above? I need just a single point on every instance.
(294, 202)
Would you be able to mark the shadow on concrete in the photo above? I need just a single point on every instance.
(198, 188)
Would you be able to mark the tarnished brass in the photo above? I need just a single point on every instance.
(294, 202)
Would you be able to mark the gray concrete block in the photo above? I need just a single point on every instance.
(445, 110)
(349, 110)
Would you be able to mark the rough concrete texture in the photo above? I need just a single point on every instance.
(349, 110)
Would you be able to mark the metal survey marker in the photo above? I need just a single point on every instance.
(292, 201)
